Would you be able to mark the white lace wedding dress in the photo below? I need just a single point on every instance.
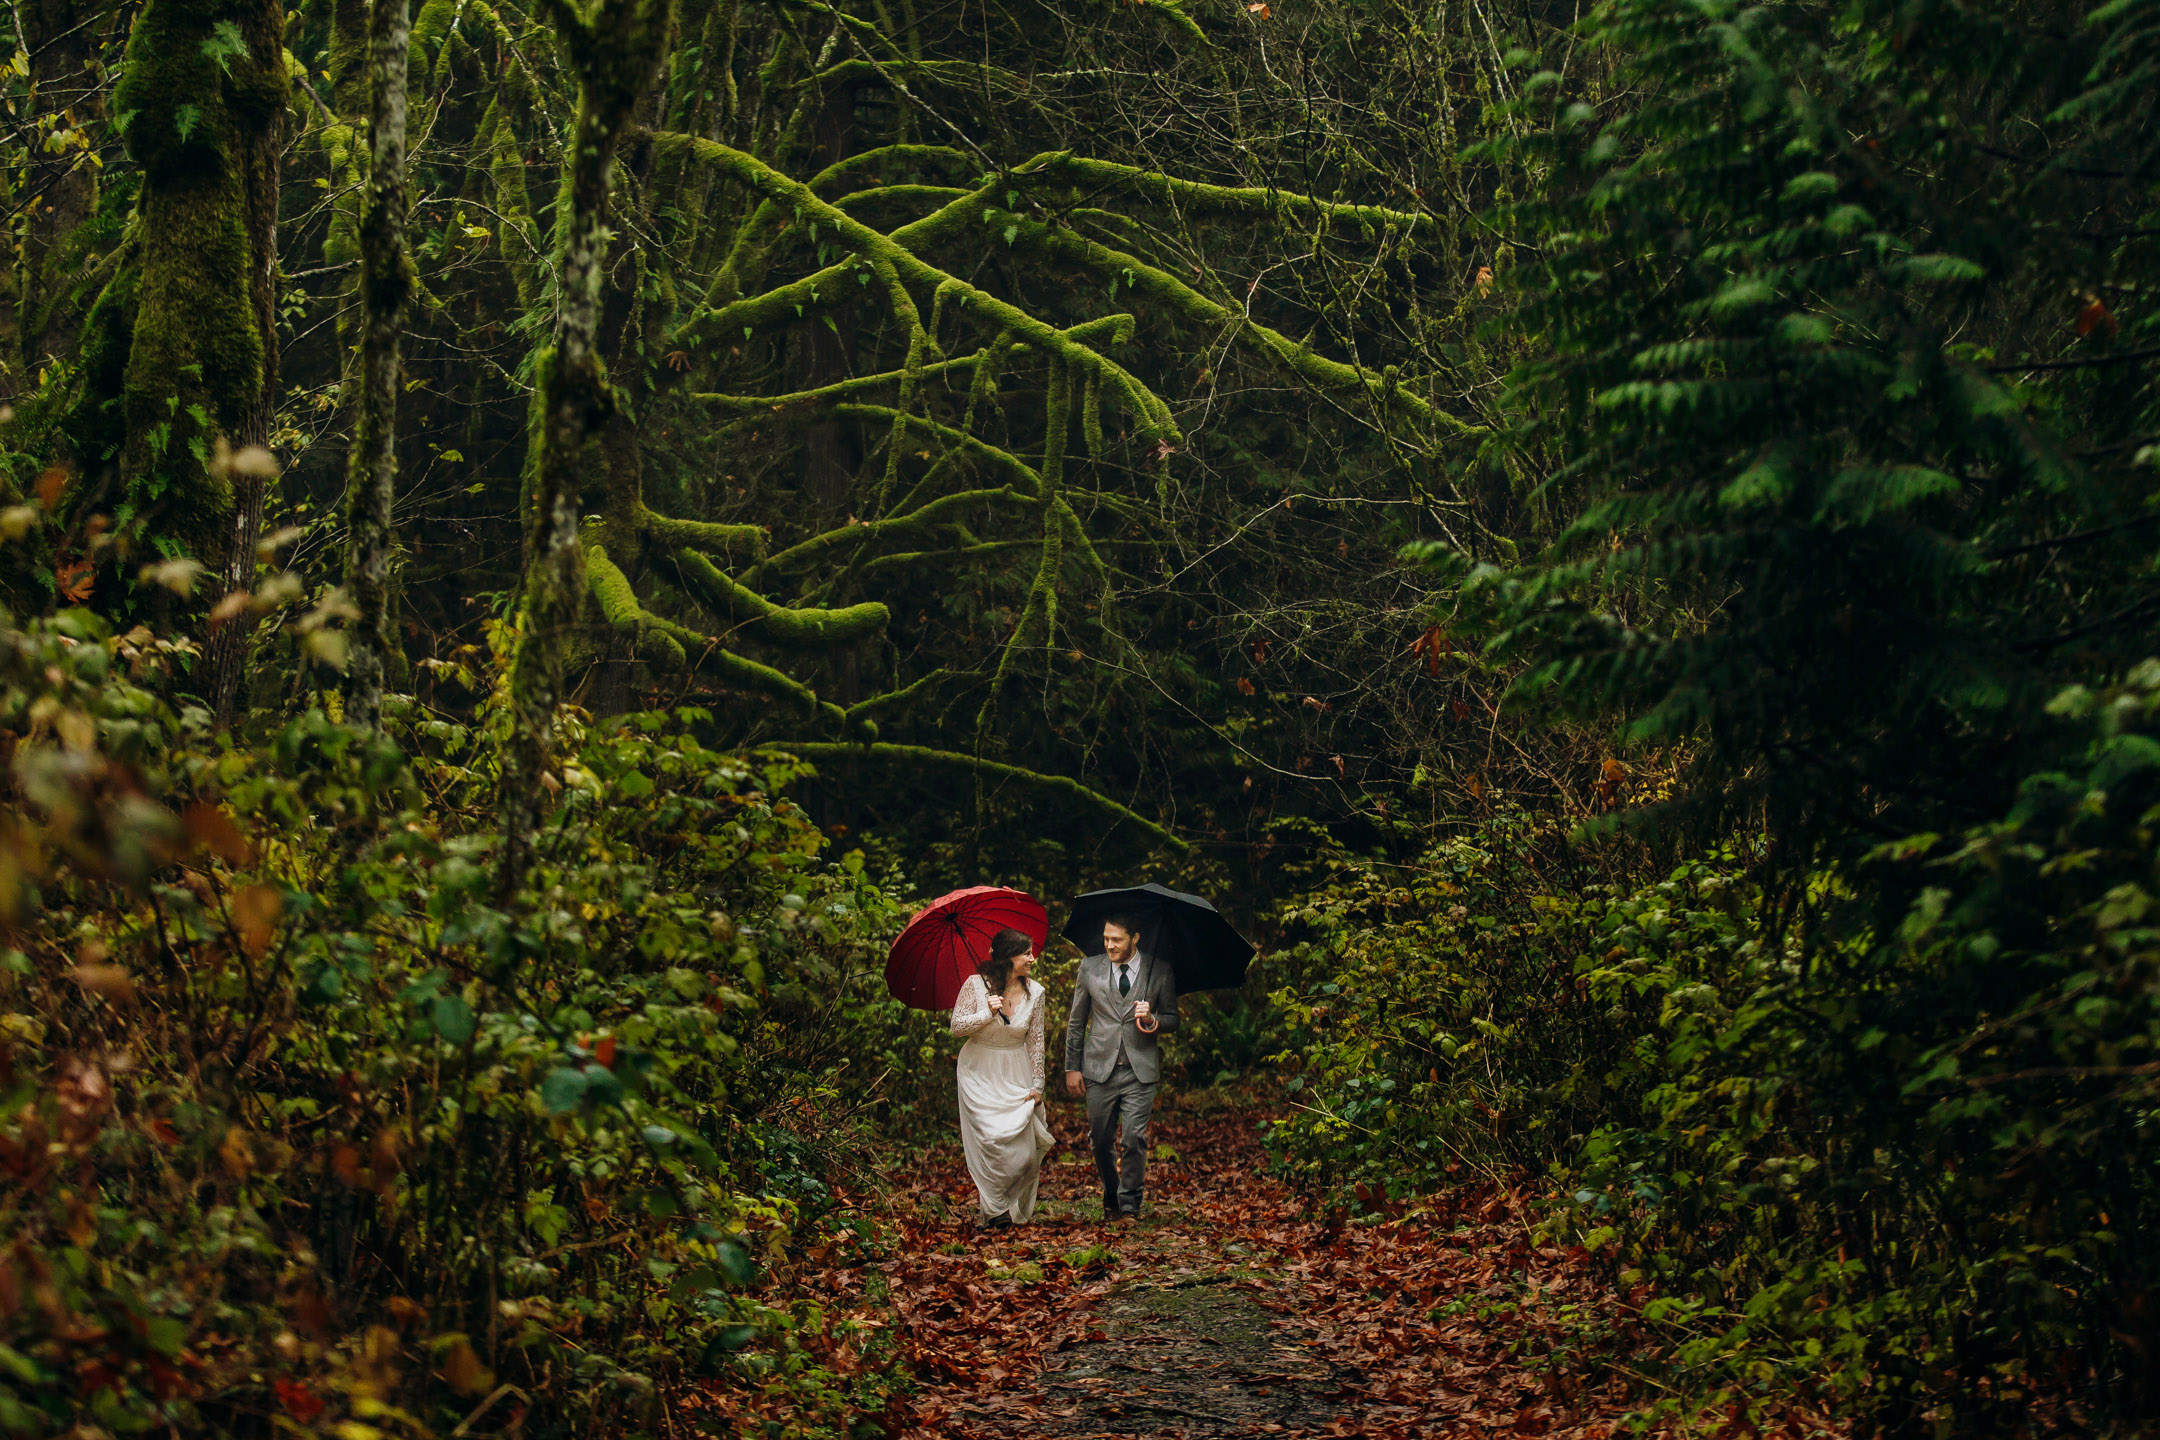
(1003, 1132)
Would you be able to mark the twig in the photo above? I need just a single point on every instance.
(2120, 357)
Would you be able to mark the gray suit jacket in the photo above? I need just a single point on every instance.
(1101, 1018)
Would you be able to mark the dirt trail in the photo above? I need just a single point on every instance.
(1231, 1311)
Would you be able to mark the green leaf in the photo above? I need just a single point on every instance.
(1811, 186)
(601, 1086)
(22, 1367)
(563, 1090)
(1943, 268)
(166, 1334)
(1746, 293)
(734, 1262)
(224, 44)
(452, 1018)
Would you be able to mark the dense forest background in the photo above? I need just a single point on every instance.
(1618, 541)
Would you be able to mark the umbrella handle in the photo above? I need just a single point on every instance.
(1147, 1024)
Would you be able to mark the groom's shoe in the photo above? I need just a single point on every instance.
(1109, 1206)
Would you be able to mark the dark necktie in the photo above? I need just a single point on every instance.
(1124, 981)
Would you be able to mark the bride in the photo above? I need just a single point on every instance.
(1002, 1127)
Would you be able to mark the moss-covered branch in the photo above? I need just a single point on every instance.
(920, 519)
(662, 643)
(899, 195)
(925, 758)
(777, 624)
(1195, 195)
(847, 167)
(865, 712)
(902, 559)
(703, 534)
(658, 642)
(900, 252)
(996, 455)
(896, 254)
(1382, 386)
(753, 404)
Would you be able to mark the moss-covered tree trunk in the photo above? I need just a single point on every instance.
(614, 49)
(202, 100)
(386, 283)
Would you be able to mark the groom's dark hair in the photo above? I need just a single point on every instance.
(1125, 921)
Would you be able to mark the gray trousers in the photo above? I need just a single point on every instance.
(1122, 1100)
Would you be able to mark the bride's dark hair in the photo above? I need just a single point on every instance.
(1005, 947)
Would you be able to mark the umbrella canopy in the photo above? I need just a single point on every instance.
(946, 939)
(1203, 951)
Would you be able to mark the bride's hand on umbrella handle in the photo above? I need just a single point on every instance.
(997, 1004)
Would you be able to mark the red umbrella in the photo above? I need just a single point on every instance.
(946, 939)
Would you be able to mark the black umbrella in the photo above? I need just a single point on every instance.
(1203, 951)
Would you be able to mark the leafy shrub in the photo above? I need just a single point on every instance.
(304, 1126)
(1903, 1167)
(1912, 1163)
(1433, 1027)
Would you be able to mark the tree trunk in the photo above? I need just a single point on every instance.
(262, 144)
(204, 95)
(614, 55)
(386, 283)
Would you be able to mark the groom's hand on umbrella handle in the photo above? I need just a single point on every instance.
(1144, 1017)
(1075, 1083)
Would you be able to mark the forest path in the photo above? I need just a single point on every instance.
(1232, 1310)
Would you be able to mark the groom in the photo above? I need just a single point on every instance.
(1115, 1063)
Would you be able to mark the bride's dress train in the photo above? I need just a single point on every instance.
(1002, 1131)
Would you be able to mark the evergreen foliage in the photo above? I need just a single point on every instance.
(1856, 447)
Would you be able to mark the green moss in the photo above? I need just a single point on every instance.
(618, 604)
(197, 109)
(431, 30)
(342, 147)
(510, 82)
(776, 624)
(895, 259)
(346, 56)
(95, 427)
(521, 247)
(705, 534)
(922, 519)
(194, 369)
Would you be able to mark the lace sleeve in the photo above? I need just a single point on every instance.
(971, 1012)
(1035, 1033)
